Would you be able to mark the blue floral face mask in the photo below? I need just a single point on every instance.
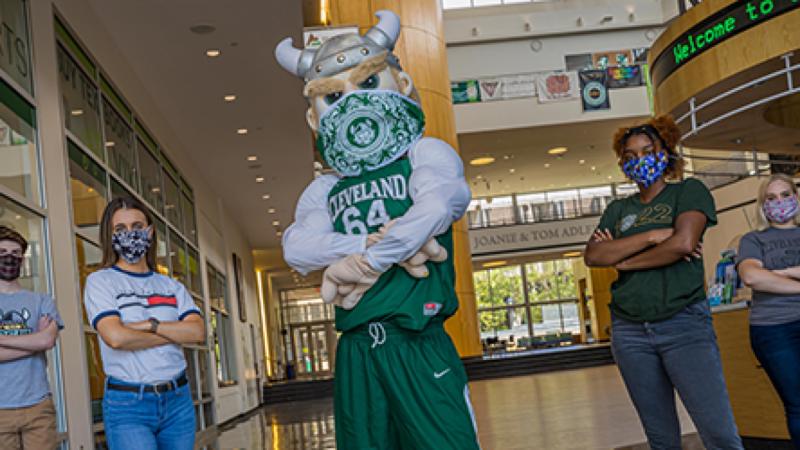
(131, 245)
(647, 169)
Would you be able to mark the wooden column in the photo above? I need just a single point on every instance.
(422, 53)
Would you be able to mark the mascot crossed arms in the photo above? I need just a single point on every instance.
(381, 227)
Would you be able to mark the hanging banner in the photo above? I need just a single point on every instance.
(465, 91)
(624, 76)
(603, 60)
(508, 87)
(557, 86)
(594, 93)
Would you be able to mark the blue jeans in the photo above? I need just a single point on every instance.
(148, 420)
(777, 348)
(679, 353)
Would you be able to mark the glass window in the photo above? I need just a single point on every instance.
(79, 96)
(16, 57)
(499, 287)
(162, 258)
(150, 176)
(31, 226)
(625, 190)
(88, 188)
(205, 386)
(595, 200)
(485, 2)
(19, 171)
(221, 326)
(90, 257)
(118, 190)
(533, 207)
(96, 376)
(119, 145)
(177, 254)
(190, 223)
(172, 202)
(450, 4)
(564, 204)
(195, 281)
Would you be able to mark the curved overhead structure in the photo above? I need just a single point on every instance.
(723, 70)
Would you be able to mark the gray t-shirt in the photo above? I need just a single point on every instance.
(776, 249)
(23, 382)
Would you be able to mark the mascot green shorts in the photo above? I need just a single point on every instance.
(401, 389)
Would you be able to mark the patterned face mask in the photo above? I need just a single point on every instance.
(647, 169)
(131, 245)
(368, 129)
(10, 266)
(781, 210)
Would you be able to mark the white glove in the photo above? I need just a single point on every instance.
(415, 266)
(345, 281)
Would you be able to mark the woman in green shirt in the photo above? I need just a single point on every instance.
(662, 336)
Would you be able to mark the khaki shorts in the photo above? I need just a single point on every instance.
(29, 428)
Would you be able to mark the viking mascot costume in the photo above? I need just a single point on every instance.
(381, 229)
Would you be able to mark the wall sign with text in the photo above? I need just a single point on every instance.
(720, 26)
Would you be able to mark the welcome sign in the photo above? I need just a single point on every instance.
(720, 26)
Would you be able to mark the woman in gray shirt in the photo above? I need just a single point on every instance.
(769, 262)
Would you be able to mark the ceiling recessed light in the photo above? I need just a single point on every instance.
(110, 144)
(581, 162)
(265, 196)
(271, 210)
(252, 158)
(213, 52)
(230, 98)
(572, 254)
(546, 165)
(610, 177)
(482, 161)
(76, 112)
(557, 151)
(512, 170)
(276, 223)
(278, 233)
(155, 190)
(259, 179)
(494, 264)
(594, 168)
(241, 131)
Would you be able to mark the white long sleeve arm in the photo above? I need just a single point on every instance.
(440, 195)
(310, 243)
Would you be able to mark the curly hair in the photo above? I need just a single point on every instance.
(665, 130)
(9, 234)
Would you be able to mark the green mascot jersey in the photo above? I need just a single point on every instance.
(361, 205)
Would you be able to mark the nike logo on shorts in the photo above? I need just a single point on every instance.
(438, 375)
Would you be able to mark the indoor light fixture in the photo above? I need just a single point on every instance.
(276, 223)
(557, 151)
(572, 254)
(252, 158)
(230, 98)
(213, 52)
(76, 112)
(494, 264)
(265, 196)
(481, 161)
(259, 179)
(241, 131)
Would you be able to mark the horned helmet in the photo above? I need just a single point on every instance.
(363, 107)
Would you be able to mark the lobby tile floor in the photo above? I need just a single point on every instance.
(577, 409)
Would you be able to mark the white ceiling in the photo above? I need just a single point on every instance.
(188, 87)
(521, 155)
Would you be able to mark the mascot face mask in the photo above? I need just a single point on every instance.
(367, 129)
(361, 105)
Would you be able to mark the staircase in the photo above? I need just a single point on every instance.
(477, 369)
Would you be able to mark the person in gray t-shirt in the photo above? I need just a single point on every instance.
(769, 262)
(29, 324)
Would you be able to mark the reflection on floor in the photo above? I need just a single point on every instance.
(578, 409)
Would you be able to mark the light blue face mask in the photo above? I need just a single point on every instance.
(368, 129)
